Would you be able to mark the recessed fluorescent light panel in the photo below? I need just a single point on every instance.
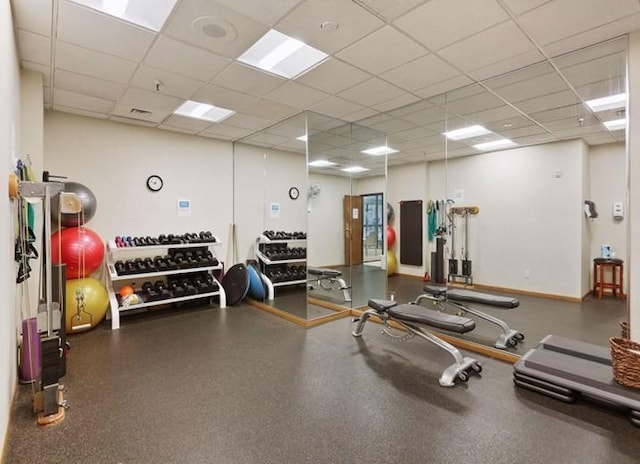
(355, 169)
(466, 132)
(616, 124)
(302, 138)
(280, 54)
(495, 145)
(321, 163)
(192, 109)
(377, 151)
(146, 13)
(611, 102)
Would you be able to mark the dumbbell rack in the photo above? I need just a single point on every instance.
(264, 261)
(115, 281)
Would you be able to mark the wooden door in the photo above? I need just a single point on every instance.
(352, 213)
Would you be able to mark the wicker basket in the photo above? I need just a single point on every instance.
(624, 329)
(625, 358)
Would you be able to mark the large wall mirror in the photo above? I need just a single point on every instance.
(543, 148)
(305, 192)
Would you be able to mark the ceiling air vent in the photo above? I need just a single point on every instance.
(139, 111)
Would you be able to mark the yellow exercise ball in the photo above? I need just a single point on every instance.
(392, 263)
(86, 304)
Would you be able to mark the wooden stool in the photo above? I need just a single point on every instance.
(617, 277)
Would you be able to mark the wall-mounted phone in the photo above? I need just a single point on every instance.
(618, 210)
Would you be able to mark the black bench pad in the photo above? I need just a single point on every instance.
(420, 315)
(319, 271)
(471, 296)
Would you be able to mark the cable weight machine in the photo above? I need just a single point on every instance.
(466, 269)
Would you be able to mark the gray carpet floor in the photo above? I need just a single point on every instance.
(243, 386)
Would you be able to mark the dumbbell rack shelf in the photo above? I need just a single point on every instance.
(113, 276)
(264, 261)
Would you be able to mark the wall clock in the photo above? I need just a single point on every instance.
(154, 183)
(294, 193)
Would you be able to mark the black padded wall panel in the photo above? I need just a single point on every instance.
(411, 232)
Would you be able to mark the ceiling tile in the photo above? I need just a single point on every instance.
(137, 122)
(69, 109)
(490, 46)
(270, 110)
(389, 10)
(444, 86)
(34, 47)
(246, 121)
(353, 21)
(390, 49)
(86, 85)
(371, 91)
(224, 98)
(546, 102)
(215, 27)
(549, 23)
(82, 102)
(171, 84)
(33, 15)
(420, 73)
(296, 95)
(439, 23)
(520, 6)
(247, 80)
(536, 86)
(91, 63)
(592, 36)
(160, 106)
(336, 107)
(96, 31)
(257, 11)
(515, 62)
(179, 58)
(333, 76)
(181, 130)
(226, 131)
(359, 115)
(396, 102)
(192, 124)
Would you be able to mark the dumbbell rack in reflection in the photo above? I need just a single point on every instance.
(116, 281)
(268, 263)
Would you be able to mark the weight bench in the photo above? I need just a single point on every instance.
(326, 278)
(456, 297)
(406, 316)
(566, 369)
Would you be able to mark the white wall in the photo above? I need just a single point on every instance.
(607, 167)
(10, 150)
(262, 177)
(114, 161)
(368, 185)
(530, 218)
(325, 221)
(405, 183)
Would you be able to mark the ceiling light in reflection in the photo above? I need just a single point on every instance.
(355, 169)
(302, 138)
(378, 151)
(616, 124)
(321, 163)
(608, 103)
(466, 132)
(495, 145)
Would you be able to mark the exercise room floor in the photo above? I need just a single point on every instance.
(243, 386)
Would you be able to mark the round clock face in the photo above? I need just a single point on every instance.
(294, 193)
(154, 183)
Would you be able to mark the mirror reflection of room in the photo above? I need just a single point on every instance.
(505, 201)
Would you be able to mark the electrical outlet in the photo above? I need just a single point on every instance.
(527, 274)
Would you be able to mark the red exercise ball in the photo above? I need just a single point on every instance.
(80, 248)
(391, 237)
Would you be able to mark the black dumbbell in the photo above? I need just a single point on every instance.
(162, 289)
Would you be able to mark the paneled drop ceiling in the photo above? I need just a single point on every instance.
(389, 64)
